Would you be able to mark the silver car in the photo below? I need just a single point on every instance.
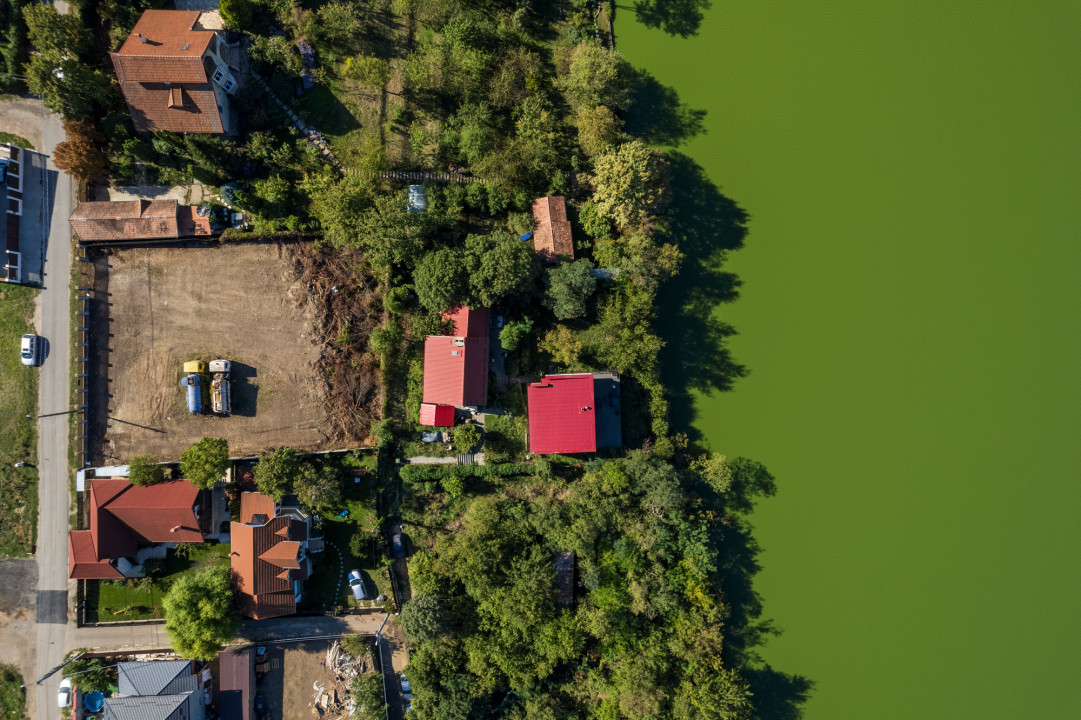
(356, 584)
(30, 349)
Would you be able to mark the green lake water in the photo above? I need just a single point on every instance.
(909, 317)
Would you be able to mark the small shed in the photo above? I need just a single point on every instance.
(434, 415)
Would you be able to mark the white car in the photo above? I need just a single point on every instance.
(63, 698)
(356, 584)
(29, 349)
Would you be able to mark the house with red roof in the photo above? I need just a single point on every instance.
(574, 413)
(270, 556)
(103, 221)
(552, 237)
(456, 365)
(129, 523)
(177, 72)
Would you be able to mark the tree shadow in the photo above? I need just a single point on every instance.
(675, 17)
(705, 225)
(656, 116)
(776, 695)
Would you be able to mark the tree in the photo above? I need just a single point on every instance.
(569, 286)
(144, 470)
(80, 155)
(236, 14)
(368, 696)
(466, 437)
(597, 76)
(595, 224)
(598, 129)
(439, 280)
(90, 674)
(274, 473)
(319, 489)
(200, 615)
(629, 184)
(368, 70)
(499, 265)
(514, 332)
(205, 462)
(53, 33)
(675, 17)
(561, 345)
(12, 693)
(422, 619)
(66, 86)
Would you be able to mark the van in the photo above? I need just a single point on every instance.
(29, 349)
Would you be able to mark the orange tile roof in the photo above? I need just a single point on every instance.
(253, 503)
(83, 562)
(125, 220)
(552, 235)
(190, 223)
(159, 513)
(264, 561)
(164, 79)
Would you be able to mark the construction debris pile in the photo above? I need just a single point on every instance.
(336, 700)
(349, 306)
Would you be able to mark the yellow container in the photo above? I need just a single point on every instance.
(194, 366)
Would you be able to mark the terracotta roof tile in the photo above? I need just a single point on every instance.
(111, 538)
(253, 503)
(552, 237)
(167, 34)
(125, 220)
(158, 513)
(83, 563)
(265, 564)
(190, 224)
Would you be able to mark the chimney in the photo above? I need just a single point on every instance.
(143, 38)
(178, 528)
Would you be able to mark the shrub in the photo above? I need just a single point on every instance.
(144, 470)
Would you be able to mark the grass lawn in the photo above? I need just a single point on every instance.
(18, 436)
(6, 137)
(140, 599)
(12, 697)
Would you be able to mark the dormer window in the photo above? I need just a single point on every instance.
(219, 75)
(229, 84)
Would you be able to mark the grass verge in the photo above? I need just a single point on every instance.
(12, 695)
(18, 435)
(6, 137)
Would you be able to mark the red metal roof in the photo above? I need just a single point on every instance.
(552, 235)
(436, 415)
(468, 322)
(562, 418)
(456, 370)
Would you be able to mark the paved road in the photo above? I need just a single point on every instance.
(53, 322)
(153, 637)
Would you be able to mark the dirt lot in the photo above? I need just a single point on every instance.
(288, 689)
(254, 304)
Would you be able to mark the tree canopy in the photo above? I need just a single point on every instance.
(200, 613)
(318, 488)
(205, 462)
(569, 286)
(144, 470)
(499, 265)
(275, 473)
(628, 185)
(440, 280)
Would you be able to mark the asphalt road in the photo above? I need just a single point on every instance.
(54, 323)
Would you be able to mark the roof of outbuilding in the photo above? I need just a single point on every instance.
(83, 562)
(562, 418)
(552, 236)
(436, 415)
(236, 683)
(455, 370)
(152, 707)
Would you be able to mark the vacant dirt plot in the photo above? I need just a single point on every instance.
(300, 678)
(241, 302)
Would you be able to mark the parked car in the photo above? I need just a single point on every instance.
(356, 584)
(397, 545)
(30, 349)
(406, 687)
(63, 698)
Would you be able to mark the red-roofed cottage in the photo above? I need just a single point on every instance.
(106, 221)
(269, 556)
(575, 413)
(127, 519)
(177, 72)
(436, 415)
(552, 237)
(456, 366)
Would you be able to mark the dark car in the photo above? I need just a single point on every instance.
(397, 545)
